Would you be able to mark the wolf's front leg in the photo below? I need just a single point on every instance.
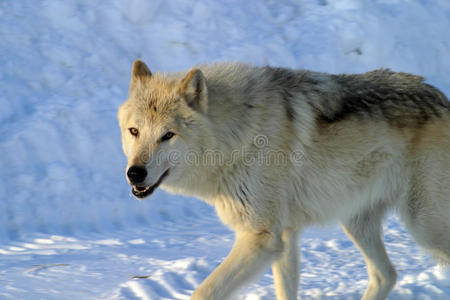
(286, 269)
(251, 254)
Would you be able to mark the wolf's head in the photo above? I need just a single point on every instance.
(161, 122)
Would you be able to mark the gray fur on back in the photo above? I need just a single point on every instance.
(401, 99)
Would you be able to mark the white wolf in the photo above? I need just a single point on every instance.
(291, 148)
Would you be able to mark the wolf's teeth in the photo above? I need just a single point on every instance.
(137, 189)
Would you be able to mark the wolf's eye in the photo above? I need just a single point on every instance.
(167, 136)
(133, 131)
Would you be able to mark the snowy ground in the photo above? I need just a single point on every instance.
(168, 260)
(68, 226)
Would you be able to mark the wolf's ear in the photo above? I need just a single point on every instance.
(193, 89)
(139, 71)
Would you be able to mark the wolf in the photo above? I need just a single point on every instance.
(293, 148)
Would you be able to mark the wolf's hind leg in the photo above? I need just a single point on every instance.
(426, 214)
(251, 254)
(429, 224)
(286, 269)
(365, 232)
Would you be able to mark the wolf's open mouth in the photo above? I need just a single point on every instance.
(144, 191)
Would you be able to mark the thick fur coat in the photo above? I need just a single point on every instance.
(276, 150)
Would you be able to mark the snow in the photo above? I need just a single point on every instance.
(69, 227)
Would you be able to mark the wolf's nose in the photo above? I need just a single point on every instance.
(136, 174)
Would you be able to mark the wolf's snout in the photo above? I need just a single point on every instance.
(136, 174)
